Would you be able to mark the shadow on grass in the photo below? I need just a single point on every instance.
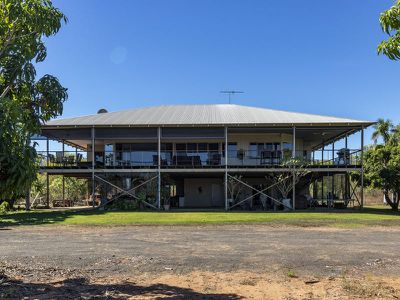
(80, 288)
(379, 210)
(44, 217)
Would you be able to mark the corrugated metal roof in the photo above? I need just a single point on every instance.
(201, 115)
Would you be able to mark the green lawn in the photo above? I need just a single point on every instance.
(372, 216)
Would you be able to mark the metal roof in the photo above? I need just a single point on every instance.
(203, 115)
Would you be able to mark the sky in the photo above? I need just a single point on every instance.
(306, 56)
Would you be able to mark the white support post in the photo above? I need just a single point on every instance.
(362, 167)
(346, 161)
(226, 170)
(93, 166)
(333, 173)
(47, 152)
(63, 154)
(294, 170)
(345, 146)
(159, 168)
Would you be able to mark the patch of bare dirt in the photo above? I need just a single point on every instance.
(204, 285)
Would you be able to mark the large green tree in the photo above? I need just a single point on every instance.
(382, 171)
(382, 163)
(25, 101)
(390, 23)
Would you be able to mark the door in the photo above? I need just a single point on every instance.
(216, 195)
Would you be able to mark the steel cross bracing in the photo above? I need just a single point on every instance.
(128, 192)
(258, 192)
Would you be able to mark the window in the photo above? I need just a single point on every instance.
(180, 147)
(253, 150)
(287, 146)
(166, 152)
(213, 147)
(287, 150)
(203, 147)
(109, 154)
(135, 154)
(257, 149)
(192, 147)
(232, 150)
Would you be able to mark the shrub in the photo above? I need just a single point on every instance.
(4, 207)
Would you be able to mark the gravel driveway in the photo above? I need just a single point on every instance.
(137, 249)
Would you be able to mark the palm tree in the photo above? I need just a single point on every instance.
(383, 128)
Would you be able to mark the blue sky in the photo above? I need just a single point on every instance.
(307, 56)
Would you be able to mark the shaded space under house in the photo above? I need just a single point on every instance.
(210, 156)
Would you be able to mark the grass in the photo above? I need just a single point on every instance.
(372, 216)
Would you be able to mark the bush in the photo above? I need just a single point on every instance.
(4, 207)
(123, 204)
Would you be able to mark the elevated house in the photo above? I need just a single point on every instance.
(222, 156)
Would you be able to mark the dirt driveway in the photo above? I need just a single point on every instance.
(216, 262)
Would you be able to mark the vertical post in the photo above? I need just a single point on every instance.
(47, 191)
(362, 167)
(93, 166)
(226, 169)
(313, 157)
(294, 142)
(294, 170)
(63, 154)
(346, 162)
(345, 152)
(159, 167)
(322, 154)
(47, 152)
(333, 173)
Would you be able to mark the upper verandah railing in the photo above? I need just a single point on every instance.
(197, 159)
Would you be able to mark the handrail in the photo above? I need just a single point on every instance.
(175, 159)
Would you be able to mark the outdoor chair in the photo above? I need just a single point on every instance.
(266, 157)
(59, 158)
(163, 162)
(70, 160)
(182, 160)
(214, 159)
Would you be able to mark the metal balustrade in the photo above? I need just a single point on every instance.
(201, 159)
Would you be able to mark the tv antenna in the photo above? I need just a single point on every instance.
(231, 93)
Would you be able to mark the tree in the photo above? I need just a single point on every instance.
(284, 181)
(382, 171)
(390, 23)
(25, 103)
(383, 129)
(382, 162)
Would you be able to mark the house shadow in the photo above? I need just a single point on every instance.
(42, 217)
(80, 288)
